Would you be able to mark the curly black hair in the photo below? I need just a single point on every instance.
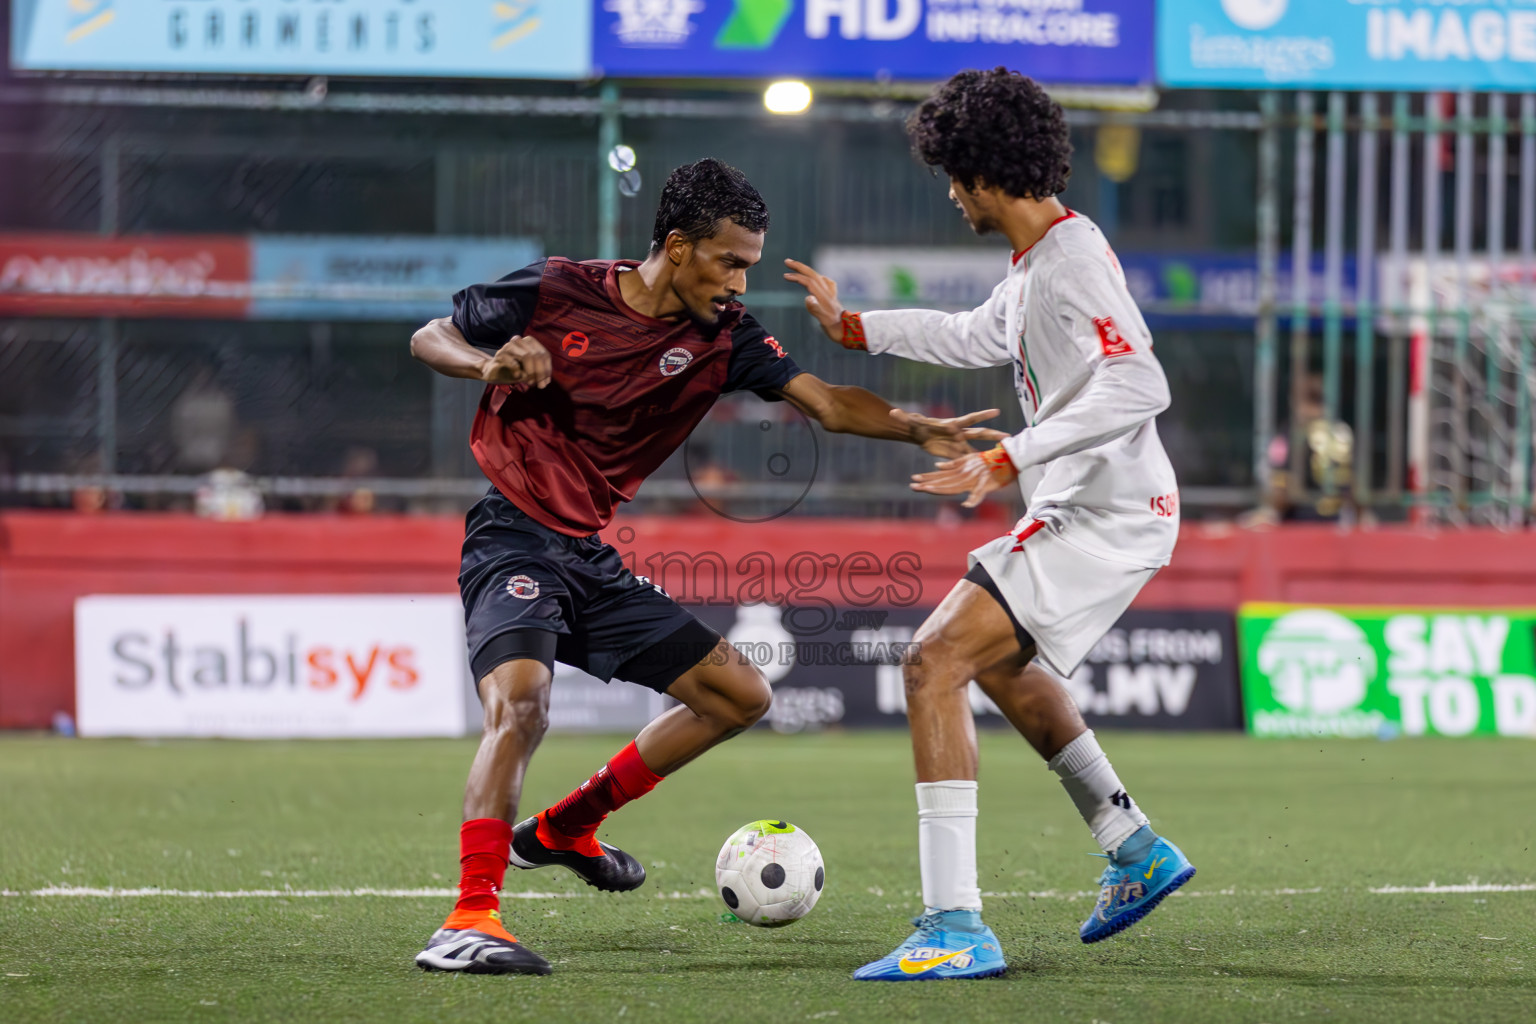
(997, 129)
(698, 196)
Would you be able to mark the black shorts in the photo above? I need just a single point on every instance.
(983, 579)
(524, 585)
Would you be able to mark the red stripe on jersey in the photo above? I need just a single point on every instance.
(1021, 254)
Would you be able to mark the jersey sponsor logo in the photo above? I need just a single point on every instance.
(673, 360)
(574, 344)
(523, 587)
(1166, 505)
(773, 343)
(1110, 338)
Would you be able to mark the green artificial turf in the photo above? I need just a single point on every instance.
(1256, 817)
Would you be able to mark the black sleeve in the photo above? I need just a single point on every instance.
(488, 315)
(758, 362)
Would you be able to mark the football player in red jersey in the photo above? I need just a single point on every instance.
(596, 371)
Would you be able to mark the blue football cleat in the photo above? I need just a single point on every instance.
(1129, 892)
(947, 944)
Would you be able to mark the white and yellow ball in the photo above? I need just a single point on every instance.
(770, 873)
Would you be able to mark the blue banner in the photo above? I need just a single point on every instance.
(1348, 44)
(1105, 42)
(356, 277)
(434, 38)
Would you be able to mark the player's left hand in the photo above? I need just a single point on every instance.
(948, 438)
(975, 475)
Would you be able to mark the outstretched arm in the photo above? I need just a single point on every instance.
(973, 339)
(521, 360)
(842, 409)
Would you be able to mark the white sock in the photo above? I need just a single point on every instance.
(1091, 782)
(946, 844)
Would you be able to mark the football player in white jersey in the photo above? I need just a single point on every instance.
(1103, 511)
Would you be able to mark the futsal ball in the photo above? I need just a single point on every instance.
(770, 873)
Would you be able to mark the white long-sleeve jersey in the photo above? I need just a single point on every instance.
(1090, 461)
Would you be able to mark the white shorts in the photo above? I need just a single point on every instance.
(1066, 598)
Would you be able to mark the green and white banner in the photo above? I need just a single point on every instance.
(1309, 671)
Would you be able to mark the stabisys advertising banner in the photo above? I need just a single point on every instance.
(1348, 44)
(1104, 42)
(1310, 671)
(270, 666)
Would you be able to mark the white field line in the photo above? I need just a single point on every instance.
(1392, 890)
(89, 892)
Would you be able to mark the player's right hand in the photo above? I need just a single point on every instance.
(520, 361)
(820, 299)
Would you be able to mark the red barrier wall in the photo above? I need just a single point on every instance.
(49, 559)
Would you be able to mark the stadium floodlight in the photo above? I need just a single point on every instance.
(787, 97)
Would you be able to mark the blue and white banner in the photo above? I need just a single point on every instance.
(1178, 284)
(356, 277)
(459, 38)
(1103, 42)
(1348, 44)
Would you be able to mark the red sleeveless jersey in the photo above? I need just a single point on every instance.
(627, 389)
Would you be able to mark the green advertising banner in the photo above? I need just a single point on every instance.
(1309, 671)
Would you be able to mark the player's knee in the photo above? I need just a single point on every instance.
(524, 716)
(929, 669)
(516, 707)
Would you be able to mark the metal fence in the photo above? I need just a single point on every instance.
(1427, 407)
(1412, 390)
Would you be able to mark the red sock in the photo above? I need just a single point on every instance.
(484, 844)
(572, 823)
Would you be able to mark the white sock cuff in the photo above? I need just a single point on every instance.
(954, 798)
(1077, 755)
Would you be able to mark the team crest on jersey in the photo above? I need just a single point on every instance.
(1110, 339)
(673, 360)
(574, 344)
(524, 587)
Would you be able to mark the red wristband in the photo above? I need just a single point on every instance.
(853, 332)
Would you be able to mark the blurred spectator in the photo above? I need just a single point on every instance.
(202, 424)
(1329, 458)
(92, 498)
(360, 463)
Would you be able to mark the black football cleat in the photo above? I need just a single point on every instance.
(470, 952)
(614, 871)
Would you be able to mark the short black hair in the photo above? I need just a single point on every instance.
(995, 128)
(698, 196)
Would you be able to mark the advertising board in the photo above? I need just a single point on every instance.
(1195, 283)
(1153, 670)
(458, 38)
(1310, 671)
(1101, 42)
(355, 277)
(1348, 44)
(270, 666)
(141, 276)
